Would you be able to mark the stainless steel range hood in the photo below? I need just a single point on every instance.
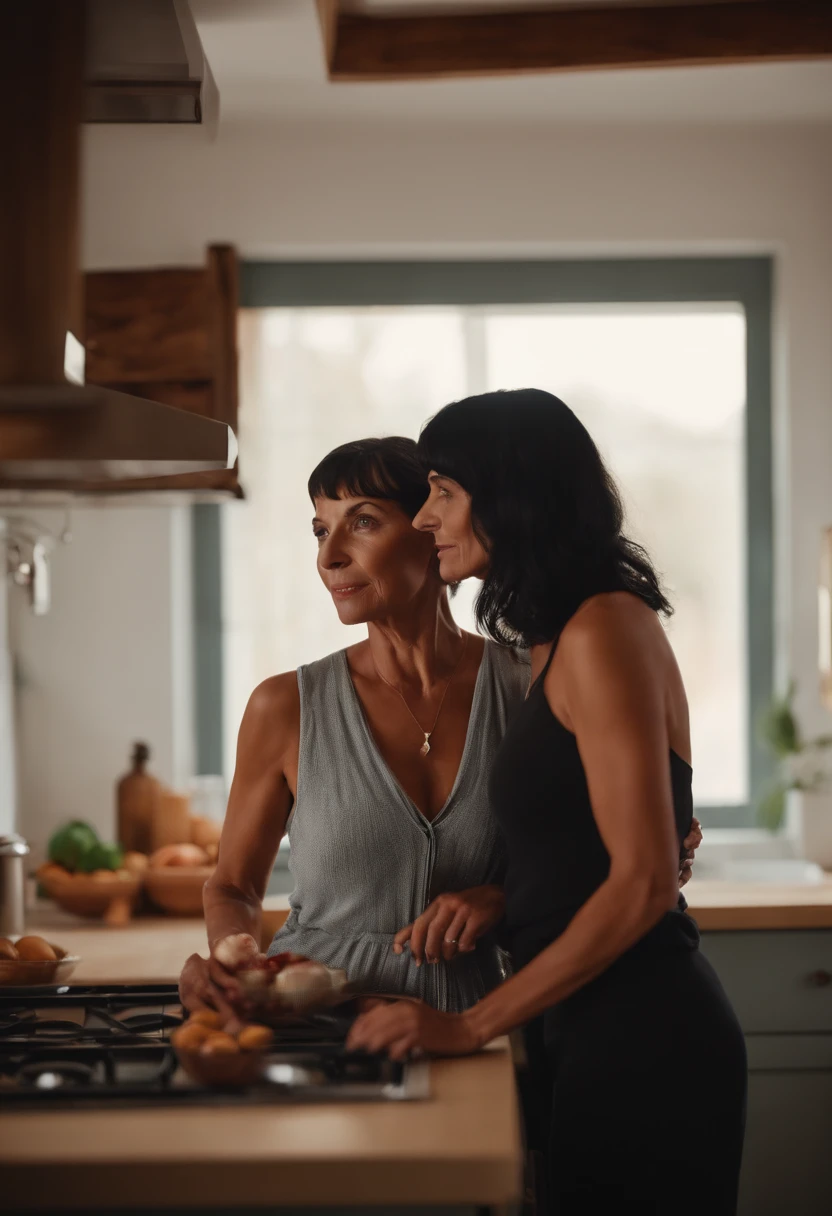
(54, 429)
(144, 63)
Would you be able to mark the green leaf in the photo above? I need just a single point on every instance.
(772, 809)
(778, 725)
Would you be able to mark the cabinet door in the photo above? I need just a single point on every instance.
(787, 1162)
(777, 981)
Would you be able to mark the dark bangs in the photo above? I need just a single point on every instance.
(545, 508)
(390, 468)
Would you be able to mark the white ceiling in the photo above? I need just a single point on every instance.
(267, 59)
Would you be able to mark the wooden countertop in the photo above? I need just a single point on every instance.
(461, 1145)
(150, 949)
(745, 905)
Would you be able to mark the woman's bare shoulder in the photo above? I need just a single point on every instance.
(273, 709)
(614, 621)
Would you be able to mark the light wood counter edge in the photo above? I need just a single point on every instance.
(725, 919)
(726, 906)
(461, 1145)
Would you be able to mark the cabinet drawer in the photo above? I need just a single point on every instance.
(776, 981)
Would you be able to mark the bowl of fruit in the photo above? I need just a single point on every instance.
(89, 878)
(212, 1056)
(176, 875)
(33, 960)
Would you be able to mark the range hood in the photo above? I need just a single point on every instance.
(55, 430)
(144, 63)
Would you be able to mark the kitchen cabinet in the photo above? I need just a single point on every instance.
(169, 334)
(780, 983)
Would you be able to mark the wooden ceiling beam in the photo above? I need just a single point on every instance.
(365, 47)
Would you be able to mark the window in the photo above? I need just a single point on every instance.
(665, 362)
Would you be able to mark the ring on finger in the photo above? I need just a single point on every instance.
(451, 941)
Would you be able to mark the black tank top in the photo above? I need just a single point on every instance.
(556, 857)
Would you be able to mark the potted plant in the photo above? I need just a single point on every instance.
(802, 796)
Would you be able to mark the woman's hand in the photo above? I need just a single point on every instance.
(690, 844)
(411, 1028)
(451, 924)
(207, 984)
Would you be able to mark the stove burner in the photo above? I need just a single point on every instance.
(99, 1026)
(60, 1074)
(108, 1046)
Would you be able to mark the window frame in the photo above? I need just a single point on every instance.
(746, 281)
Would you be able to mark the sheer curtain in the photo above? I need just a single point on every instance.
(661, 389)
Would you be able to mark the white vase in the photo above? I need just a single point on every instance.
(809, 824)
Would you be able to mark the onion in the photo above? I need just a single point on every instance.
(236, 950)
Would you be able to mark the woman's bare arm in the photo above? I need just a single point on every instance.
(258, 809)
(611, 671)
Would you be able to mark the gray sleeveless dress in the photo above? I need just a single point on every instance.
(366, 862)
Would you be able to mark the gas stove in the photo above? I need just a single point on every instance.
(108, 1045)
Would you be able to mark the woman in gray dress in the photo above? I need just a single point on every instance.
(375, 761)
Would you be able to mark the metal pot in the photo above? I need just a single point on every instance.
(13, 849)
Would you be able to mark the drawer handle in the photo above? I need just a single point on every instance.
(819, 979)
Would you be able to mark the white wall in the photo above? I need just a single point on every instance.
(158, 195)
(106, 667)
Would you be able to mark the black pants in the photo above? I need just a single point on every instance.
(636, 1092)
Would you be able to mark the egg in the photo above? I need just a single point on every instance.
(219, 1044)
(8, 951)
(191, 1036)
(206, 1017)
(252, 1038)
(35, 950)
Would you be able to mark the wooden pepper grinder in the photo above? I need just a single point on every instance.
(138, 795)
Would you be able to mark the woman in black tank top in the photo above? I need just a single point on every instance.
(592, 789)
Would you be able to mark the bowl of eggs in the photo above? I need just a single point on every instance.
(33, 960)
(212, 1056)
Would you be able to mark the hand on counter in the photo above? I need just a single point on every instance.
(405, 1029)
(453, 923)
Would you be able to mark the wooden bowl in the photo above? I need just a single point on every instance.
(21, 972)
(81, 894)
(241, 1068)
(177, 889)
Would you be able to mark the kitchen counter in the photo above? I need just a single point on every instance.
(150, 949)
(154, 948)
(744, 905)
(460, 1146)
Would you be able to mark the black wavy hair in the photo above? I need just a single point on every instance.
(545, 507)
(390, 468)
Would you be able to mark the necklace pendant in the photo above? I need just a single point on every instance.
(425, 748)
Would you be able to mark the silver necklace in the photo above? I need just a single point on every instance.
(425, 748)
